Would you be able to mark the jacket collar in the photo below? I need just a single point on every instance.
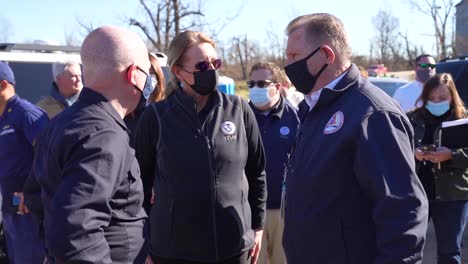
(55, 93)
(348, 81)
(9, 105)
(91, 97)
(188, 102)
(419, 115)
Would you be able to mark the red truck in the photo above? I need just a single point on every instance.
(377, 70)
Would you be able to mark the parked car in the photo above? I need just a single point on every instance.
(387, 84)
(458, 68)
(377, 70)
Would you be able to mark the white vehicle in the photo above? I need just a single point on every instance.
(32, 66)
(387, 84)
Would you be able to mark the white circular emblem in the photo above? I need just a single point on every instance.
(335, 123)
(228, 128)
(284, 131)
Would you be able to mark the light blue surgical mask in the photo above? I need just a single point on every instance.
(438, 109)
(260, 96)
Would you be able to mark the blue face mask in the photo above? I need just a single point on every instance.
(438, 109)
(259, 96)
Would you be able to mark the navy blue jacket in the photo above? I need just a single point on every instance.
(352, 194)
(91, 189)
(209, 177)
(20, 124)
(278, 129)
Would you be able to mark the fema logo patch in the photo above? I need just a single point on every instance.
(229, 129)
(284, 131)
(334, 124)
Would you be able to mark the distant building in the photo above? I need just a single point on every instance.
(461, 40)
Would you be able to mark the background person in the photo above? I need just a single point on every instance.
(91, 189)
(278, 124)
(64, 90)
(352, 195)
(201, 151)
(408, 94)
(446, 186)
(20, 124)
(155, 94)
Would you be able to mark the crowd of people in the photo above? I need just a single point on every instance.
(320, 166)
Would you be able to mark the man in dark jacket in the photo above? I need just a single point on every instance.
(91, 189)
(278, 123)
(352, 194)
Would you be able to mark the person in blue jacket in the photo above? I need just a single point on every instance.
(20, 124)
(351, 193)
(278, 124)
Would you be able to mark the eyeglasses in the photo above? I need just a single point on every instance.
(259, 84)
(204, 65)
(427, 65)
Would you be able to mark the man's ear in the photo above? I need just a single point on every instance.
(278, 87)
(3, 85)
(329, 54)
(131, 74)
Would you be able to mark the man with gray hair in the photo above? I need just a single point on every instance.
(65, 88)
(91, 190)
(351, 191)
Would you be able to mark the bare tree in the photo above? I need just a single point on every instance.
(440, 12)
(86, 27)
(167, 18)
(386, 27)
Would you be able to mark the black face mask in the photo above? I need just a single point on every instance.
(205, 82)
(299, 74)
(145, 93)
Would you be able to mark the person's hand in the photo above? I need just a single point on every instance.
(152, 198)
(420, 154)
(254, 252)
(440, 155)
(149, 260)
(22, 208)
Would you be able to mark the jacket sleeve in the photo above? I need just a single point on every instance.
(146, 138)
(80, 207)
(255, 169)
(385, 170)
(459, 158)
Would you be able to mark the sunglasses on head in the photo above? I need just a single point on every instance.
(427, 65)
(204, 65)
(259, 84)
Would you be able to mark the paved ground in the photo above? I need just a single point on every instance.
(430, 251)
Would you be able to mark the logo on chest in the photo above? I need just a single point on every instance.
(334, 124)
(229, 130)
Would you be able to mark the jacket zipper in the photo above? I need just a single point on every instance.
(213, 197)
(212, 176)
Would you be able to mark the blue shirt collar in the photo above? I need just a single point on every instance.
(8, 108)
(55, 93)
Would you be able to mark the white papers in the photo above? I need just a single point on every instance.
(455, 122)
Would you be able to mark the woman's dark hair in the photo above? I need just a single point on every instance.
(433, 83)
